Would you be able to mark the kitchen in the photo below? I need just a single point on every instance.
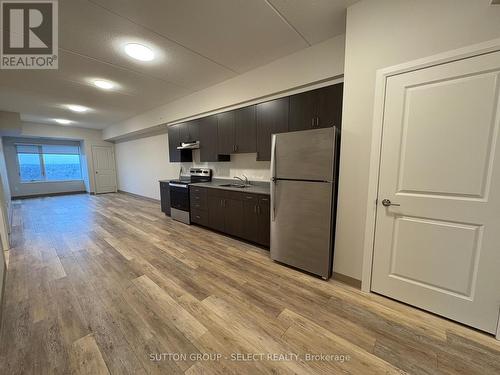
(246, 187)
(245, 209)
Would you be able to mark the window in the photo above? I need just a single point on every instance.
(49, 162)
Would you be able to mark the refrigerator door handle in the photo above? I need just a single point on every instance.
(273, 177)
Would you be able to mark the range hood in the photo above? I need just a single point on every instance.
(189, 145)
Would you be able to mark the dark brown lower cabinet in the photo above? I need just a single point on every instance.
(243, 215)
(165, 197)
(216, 213)
(264, 225)
(233, 210)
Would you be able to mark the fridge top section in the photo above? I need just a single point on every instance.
(304, 155)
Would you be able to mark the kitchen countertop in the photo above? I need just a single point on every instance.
(256, 187)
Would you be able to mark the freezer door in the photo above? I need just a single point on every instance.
(304, 155)
(301, 231)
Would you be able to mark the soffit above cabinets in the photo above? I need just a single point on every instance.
(198, 43)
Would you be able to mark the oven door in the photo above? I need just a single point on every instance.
(179, 196)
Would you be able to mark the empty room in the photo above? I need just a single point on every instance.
(250, 187)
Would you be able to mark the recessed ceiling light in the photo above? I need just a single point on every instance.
(103, 84)
(62, 121)
(139, 52)
(77, 108)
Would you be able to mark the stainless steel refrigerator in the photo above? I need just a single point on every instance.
(303, 170)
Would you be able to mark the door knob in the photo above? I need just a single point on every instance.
(387, 203)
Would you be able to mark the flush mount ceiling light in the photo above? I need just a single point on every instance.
(139, 52)
(62, 121)
(77, 108)
(103, 84)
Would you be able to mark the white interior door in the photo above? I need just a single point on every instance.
(104, 169)
(440, 160)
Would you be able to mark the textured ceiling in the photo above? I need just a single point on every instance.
(198, 43)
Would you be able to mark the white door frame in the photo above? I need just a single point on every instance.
(378, 117)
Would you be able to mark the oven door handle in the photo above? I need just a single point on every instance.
(178, 185)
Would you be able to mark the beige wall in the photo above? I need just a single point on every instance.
(315, 64)
(5, 215)
(142, 162)
(379, 34)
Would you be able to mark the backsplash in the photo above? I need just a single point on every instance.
(240, 164)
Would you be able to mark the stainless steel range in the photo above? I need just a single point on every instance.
(179, 192)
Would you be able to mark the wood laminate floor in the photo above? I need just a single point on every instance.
(108, 284)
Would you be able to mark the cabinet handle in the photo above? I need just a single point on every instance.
(312, 122)
(258, 210)
(317, 122)
(255, 209)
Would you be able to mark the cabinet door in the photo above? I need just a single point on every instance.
(245, 133)
(165, 197)
(250, 218)
(194, 130)
(233, 223)
(183, 132)
(272, 118)
(329, 111)
(264, 221)
(208, 139)
(216, 212)
(173, 142)
(303, 111)
(225, 133)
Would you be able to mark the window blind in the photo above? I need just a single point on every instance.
(27, 149)
(48, 149)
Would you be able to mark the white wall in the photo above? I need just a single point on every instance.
(141, 163)
(380, 34)
(87, 137)
(315, 64)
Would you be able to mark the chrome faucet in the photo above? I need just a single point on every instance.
(245, 181)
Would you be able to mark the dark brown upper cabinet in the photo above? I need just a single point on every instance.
(237, 131)
(272, 118)
(321, 108)
(245, 130)
(249, 129)
(225, 130)
(189, 131)
(303, 108)
(330, 106)
(208, 140)
(174, 140)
